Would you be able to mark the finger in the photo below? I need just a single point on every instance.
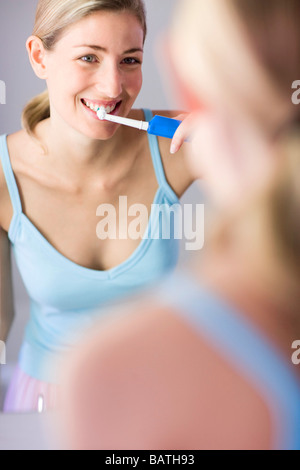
(182, 134)
(181, 117)
(177, 141)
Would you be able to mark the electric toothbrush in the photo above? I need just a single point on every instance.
(159, 125)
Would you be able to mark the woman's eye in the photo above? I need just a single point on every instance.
(131, 61)
(91, 59)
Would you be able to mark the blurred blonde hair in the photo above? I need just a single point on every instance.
(271, 28)
(52, 18)
(283, 200)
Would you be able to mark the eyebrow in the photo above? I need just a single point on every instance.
(103, 49)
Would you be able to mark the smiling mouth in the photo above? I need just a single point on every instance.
(95, 107)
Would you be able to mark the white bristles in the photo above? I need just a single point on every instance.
(101, 113)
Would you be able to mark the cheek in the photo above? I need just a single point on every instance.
(65, 77)
(196, 154)
(133, 83)
(202, 146)
(64, 91)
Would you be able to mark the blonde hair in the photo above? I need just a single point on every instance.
(284, 200)
(52, 18)
(273, 30)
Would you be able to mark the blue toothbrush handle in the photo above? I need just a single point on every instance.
(163, 127)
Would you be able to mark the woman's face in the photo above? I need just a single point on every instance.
(215, 62)
(97, 62)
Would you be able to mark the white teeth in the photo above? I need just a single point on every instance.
(96, 107)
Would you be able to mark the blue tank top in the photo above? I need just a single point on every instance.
(66, 298)
(236, 339)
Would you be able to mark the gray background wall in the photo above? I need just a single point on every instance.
(16, 22)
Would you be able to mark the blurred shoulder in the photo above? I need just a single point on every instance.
(180, 392)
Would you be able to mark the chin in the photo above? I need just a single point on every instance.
(100, 134)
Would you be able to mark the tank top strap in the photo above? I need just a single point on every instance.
(245, 347)
(157, 161)
(11, 184)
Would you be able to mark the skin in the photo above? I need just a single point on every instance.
(109, 401)
(188, 396)
(87, 163)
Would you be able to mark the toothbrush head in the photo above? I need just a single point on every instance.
(101, 113)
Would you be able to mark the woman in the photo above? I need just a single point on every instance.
(64, 165)
(217, 342)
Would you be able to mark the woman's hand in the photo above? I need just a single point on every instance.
(184, 131)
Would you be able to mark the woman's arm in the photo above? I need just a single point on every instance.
(6, 291)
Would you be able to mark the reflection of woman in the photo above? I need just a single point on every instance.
(218, 344)
(55, 175)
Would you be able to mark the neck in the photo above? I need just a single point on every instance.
(78, 157)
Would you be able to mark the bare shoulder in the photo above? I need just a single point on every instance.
(18, 144)
(165, 388)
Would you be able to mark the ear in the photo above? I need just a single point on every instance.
(36, 52)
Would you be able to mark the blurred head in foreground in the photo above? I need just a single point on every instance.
(151, 380)
(236, 62)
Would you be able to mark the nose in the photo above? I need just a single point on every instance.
(110, 80)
